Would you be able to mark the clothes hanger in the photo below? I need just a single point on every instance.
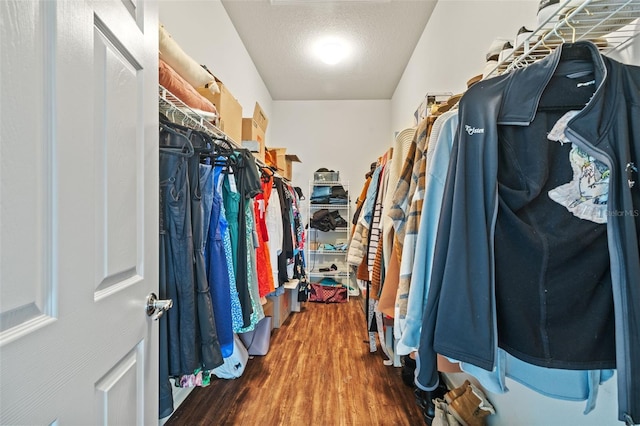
(188, 145)
(172, 112)
(566, 21)
(544, 38)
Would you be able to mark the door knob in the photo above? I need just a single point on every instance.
(157, 307)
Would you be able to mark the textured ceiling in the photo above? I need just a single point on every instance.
(280, 38)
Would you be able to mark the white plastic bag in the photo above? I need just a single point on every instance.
(234, 365)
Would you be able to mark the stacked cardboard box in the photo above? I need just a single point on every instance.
(229, 110)
(282, 161)
(253, 132)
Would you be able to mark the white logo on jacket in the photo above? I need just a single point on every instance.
(472, 130)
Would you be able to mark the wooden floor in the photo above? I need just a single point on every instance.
(318, 371)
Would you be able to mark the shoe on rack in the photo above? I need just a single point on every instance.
(506, 52)
(521, 38)
(493, 56)
(472, 407)
(340, 246)
(333, 267)
(326, 247)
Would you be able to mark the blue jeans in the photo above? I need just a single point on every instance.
(208, 337)
(177, 267)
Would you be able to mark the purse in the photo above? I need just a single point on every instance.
(257, 341)
(327, 293)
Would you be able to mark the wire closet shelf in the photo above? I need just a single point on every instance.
(178, 112)
(610, 24)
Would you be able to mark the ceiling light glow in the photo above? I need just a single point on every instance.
(331, 51)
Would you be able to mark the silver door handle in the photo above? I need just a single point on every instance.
(157, 307)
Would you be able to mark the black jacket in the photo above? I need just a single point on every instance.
(496, 211)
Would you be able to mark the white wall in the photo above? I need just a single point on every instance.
(346, 136)
(205, 32)
(452, 49)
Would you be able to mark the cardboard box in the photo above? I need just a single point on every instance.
(289, 160)
(254, 130)
(277, 158)
(229, 110)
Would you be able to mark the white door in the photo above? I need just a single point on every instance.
(78, 212)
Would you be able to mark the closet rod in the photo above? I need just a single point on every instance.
(171, 105)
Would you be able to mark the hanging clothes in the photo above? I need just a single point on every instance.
(248, 186)
(257, 312)
(217, 270)
(412, 221)
(374, 246)
(275, 230)
(286, 253)
(263, 257)
(358, 244)
(208, 336)
(439, 148)
(593, 289)
(236, 309)
(181, 338)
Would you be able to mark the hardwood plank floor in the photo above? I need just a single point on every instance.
(318, 371)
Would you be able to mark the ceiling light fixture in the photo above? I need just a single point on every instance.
(331, 51)
(299, 2)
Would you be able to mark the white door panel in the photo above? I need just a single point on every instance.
(78, 212)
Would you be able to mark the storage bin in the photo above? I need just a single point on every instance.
(329, 176)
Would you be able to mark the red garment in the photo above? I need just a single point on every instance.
(263, 263)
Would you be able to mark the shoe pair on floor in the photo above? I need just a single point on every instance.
(424, 399)
(465, 405)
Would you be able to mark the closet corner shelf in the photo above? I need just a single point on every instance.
(320, 240)
(611, 25)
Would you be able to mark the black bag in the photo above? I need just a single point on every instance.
(303, 290)
(301, 275)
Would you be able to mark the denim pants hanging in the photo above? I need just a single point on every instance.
(206, 185)
(165, 392)
(209, 345)
(178, 350)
